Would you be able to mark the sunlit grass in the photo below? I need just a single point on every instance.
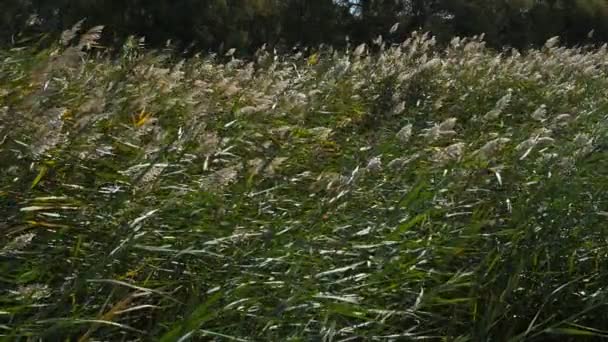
(420, 192)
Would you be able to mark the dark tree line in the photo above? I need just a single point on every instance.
(247, 24)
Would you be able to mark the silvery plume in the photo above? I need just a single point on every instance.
(374, 165)
(404, 134)
(450, 153)
(540, 114)
(446, 128)
(489, 149)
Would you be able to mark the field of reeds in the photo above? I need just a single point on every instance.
(381, 192)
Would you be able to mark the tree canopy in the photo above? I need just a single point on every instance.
(246, 25)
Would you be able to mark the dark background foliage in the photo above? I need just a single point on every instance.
(246, 25)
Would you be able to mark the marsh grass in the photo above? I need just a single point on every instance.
(452, 193)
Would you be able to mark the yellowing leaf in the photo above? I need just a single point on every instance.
(313, 59)
(41, 174)
(47, 224)
(141, 118)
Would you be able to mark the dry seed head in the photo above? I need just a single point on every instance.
(492, 147)
(49, 134)
(443, 129)
(552, 42)
(545, 140)
(274, 165)
(399, 108)
(227, 175)
(89, 39)
(397, 163)
(315, 92)
(505, 100)
(432, 133)
(255, 166)
(68, 35)
(401, 162)
(231, 90)
(153, 173)
(19, 243)
(434, 62)
(405, 134)
(374, 165)
(247, 110)
(563, 118)
(492, 114)
(322, 133)
(455, 151)
(540, 114)
(450, 153)
(33, 291)
(448, 125)
(583, 139)
(230, 52)
(359, 50)
(394, 28)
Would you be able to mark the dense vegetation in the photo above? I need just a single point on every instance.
(247, 25)
(419, 192)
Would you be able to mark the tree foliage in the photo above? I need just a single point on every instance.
(246, 25)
